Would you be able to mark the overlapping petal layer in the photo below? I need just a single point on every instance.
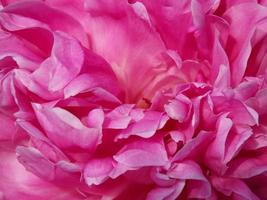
(133, 100)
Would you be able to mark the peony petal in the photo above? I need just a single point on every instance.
(230, 186)
(189, 170)
(241, 43)
(96, 72)
(23, 52)
(119, 118)
(216, 151)
(24, 12)
(64, 64)
(65, 130)
(146, 127)
(34, 162)
(194, 147)
(247, 167)
(179, 108)
(95, 118)
(43, 144)
(139, 47)
(142, 154)
(7, 127)
(168, 193)
(238, 111)
(26, 185)
(98, 170)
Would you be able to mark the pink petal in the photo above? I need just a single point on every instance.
(216, 151)
(96, 72)
(65, 63)
(241, 30)
(43, 144)
(142, 154)
(26, 185)
(26, 11)
(230, 186)
(34, 162)
(98, 170)
(95, 118)
(168, 193)
(238, 111)
(20, 51)
(179, 108)
(247, 167)
(119, 118)
(66, 130)
(146, 127)
(194, 147)
(133, 38)
(189, 170)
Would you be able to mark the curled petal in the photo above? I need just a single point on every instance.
(66, 130)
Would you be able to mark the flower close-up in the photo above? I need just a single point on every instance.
(133, 99)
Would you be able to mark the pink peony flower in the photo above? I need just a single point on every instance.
(156, 100)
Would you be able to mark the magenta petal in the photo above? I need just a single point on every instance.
(179, 108)
(230, 186)
(95, 118)
(141, 154)
(26, 185)
(119, 118)
(24, 12)
(7, 127)
(65, 63)
(248, 167)
(189, 170)
(168, 193)
(35, 162)
(147, 126)
(216, 151)
(98, 170)
(66, 130)
(43, 144)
